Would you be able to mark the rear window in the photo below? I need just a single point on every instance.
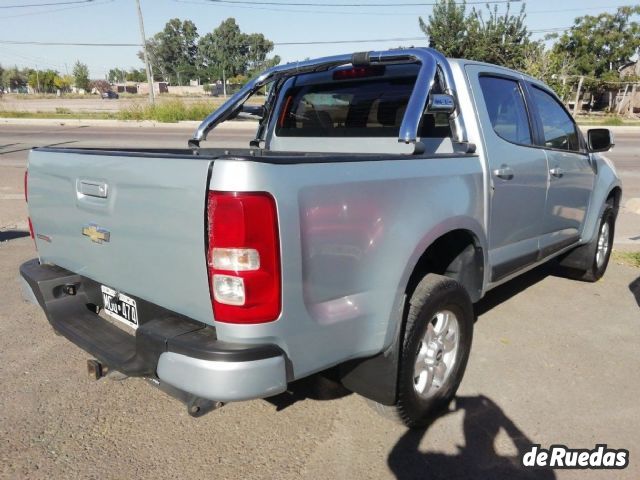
(363, 108)
(507, 110)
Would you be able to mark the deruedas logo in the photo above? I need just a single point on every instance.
(561, 456)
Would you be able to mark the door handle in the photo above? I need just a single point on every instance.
(504, 172)
(556, 172)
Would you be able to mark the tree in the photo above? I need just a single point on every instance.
(14, 78)
(116, 75)
(448, 28)
(223, 50)
(552, 67)
(136, 75)
(64, 82)
(603, 42)
(256, 55)
(173, 51)
(42, 80)
(502, 39)
(227, 50)
(177, 54)
(81, 75)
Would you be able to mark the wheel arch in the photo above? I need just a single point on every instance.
(458, 250)
(616, 195)
(458, 254)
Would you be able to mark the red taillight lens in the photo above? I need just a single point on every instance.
(243, 257)
(26, 199)
(31, 229)
(359, 72)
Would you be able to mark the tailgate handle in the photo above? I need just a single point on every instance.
(93, 188)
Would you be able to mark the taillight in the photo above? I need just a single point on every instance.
(26, 199)
(243, 257)
(31, 229)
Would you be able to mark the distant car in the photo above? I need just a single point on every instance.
(110, 94)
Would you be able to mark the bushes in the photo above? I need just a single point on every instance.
(170, 111)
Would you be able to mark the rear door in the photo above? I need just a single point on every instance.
(518, 169)
(133, 222)
(571, 175)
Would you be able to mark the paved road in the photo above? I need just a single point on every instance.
(554, 361)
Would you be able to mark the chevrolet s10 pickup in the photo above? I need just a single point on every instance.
(383, 195)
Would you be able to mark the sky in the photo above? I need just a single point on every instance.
(116, 21)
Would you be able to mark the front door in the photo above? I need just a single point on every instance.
(571, 175)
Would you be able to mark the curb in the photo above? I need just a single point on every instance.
(187, 124)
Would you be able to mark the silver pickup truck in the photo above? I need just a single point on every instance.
(384, 194)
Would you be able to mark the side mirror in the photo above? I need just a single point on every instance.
(441, 103)
(600, 140)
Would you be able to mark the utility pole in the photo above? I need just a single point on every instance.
(224, 83)
(576, 106)
(37, 78)
(152, 98)
(624, 97)
(632, 102)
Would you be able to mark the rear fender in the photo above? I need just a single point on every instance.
(376, 377)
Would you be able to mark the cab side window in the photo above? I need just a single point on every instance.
(558, 127)
(506, 108)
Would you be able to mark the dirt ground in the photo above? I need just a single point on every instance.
(554, 361)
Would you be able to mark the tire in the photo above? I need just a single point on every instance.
(434, 351)
(594, 256)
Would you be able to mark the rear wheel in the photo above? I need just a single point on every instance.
(435, 350)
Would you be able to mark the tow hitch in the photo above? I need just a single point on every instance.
(96, 370)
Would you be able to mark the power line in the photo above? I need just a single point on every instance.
(42, 12)
(69, 44)
(305, 11)
(79, 44)
(577, 9)
(50, 4)
(315, 42)
(349, 5)
(30, 59)
(255, 6)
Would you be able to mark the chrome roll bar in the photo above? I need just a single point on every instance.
(431, 61)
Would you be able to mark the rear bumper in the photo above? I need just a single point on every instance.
(179, 351)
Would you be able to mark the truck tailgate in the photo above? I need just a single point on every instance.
(145, 213)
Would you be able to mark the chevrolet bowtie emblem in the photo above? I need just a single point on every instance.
(96, 233)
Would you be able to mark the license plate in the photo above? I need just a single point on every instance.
(120, 306)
